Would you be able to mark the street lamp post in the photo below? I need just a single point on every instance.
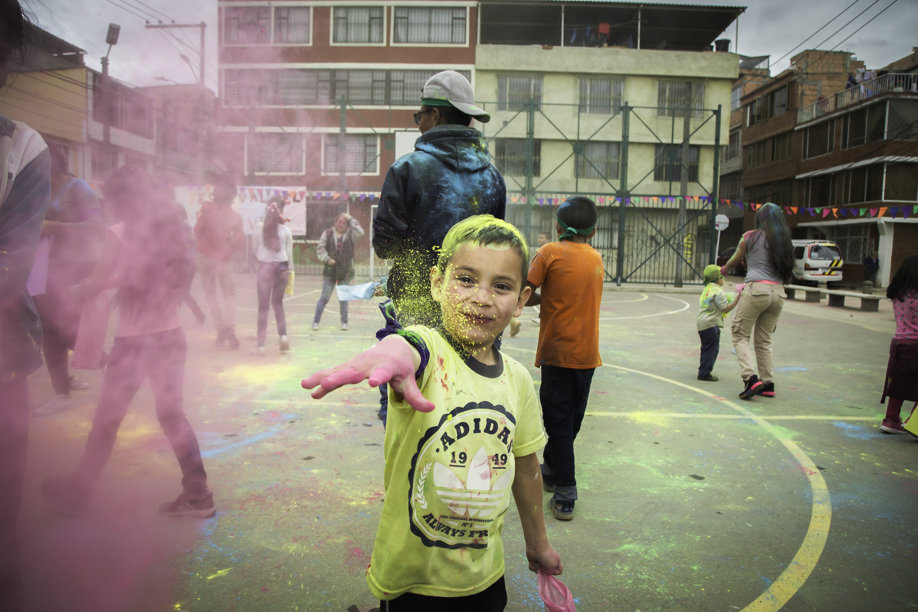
(112, 39)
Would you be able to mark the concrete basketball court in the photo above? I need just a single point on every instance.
(690, 498)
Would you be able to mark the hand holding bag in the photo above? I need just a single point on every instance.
(555, 594)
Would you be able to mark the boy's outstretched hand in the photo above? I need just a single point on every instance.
(391, 361)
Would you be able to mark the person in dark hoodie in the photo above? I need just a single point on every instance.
(447, 178)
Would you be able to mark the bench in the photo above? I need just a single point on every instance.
(869, 303)
(813, 294)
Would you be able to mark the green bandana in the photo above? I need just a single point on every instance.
(570, 232)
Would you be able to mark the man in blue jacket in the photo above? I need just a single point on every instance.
(448, 177)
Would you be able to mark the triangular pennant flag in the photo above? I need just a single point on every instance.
(873, 212)
(825, 212)
(893, 211)
(883, 211)
(794, 209)
(905, 210)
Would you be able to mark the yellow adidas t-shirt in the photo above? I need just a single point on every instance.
(449, 473)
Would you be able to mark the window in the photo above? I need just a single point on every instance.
(510, 156)
(296, 86)
(903, 120)
(851, 241)
(735, 94)
(359, 155)
(781, 147)
(668, 163)
(291, 25)
(731, 186)
(514, 92)
(598, 160)
(819, 140)
(601, 96)
(855, 129)
(902, 182)
(767, 106)
(733, 148)
(755, 154)
(680, 98)
(876, 122)
(275, 153)
(420, 25)
(249, 25)
(358, 24)
(820, 191)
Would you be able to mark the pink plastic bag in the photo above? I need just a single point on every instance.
(90, 338)
(555, 594)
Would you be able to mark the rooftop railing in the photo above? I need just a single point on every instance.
(892, 82)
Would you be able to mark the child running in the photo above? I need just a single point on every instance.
(901, 383)
(570, 274)
(463, 432)
(150, 253)
(713, 306)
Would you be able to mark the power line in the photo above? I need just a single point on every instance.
(127, 10)
(824, 26)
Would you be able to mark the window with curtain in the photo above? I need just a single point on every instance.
(515, 91)
(359, 155)
(510, 156)
(668, 162)
(599, 160)
(601, 96)
(358, 24)
(274, 153)
(443, 25)
(680, 98)
(291, 25)
(250, 25)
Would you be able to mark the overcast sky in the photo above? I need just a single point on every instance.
(884, 32)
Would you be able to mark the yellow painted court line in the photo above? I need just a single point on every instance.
(804, 562)
(736, 417)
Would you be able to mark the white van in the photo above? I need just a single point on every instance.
(818, 261)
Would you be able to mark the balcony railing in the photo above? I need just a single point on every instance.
(892, 82)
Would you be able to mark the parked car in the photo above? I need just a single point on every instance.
(817, 261)
(740, 269)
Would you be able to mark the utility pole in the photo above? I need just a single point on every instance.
(106, 98)
(199, 120)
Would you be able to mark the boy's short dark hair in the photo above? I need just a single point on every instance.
(483, 230)
(578, 212)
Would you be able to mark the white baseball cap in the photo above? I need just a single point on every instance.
(451, 88)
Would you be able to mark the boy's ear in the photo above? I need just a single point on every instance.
(436, 284)
(521, 303)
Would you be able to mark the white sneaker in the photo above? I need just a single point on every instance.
(79, 385)
(259, 351)
(344, 326)
(315, 326)
(284, 345)
(59, 403)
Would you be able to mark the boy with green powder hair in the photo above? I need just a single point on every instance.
(463, 432)
(713, 306)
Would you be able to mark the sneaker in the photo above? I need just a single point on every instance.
(563, 509)
(221, 337)
(709, 378)
(79, 385)
(767, 389)
(315, 325)
(66, 495)
(58, 403)
(537, 321)
(344, 327)
(892, 426)
(231, 339)
(284, 345)
(258, 351)
(515, 326)
(751, 388)
(184, 505)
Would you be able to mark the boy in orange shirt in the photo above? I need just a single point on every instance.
(570, 275)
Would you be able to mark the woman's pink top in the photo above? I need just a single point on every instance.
(906, 317)
(140, 321)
